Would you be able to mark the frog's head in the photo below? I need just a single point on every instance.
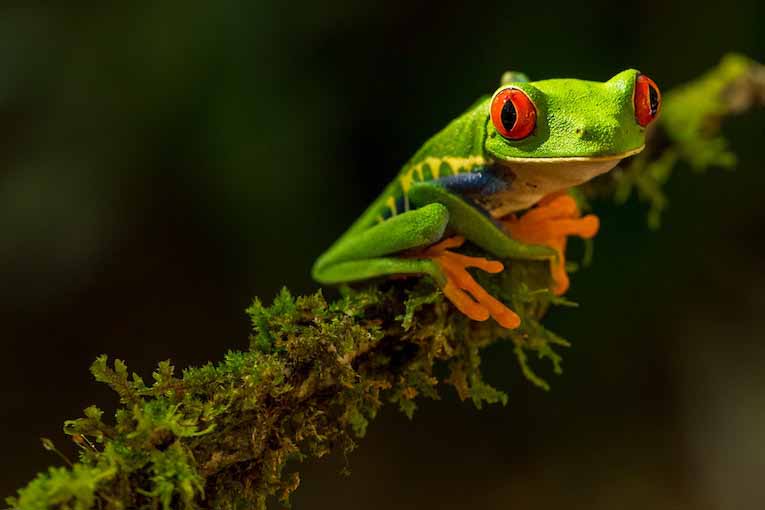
(570, 121)
(568, 118)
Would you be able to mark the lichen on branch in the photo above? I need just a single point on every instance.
(316, 373)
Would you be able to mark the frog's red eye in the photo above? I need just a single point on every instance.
(513, 113)
(647, 100)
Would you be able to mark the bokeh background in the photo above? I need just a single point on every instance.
(162, 163)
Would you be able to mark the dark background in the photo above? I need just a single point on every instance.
(162, 165)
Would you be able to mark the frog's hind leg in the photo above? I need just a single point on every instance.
(404, 245)
(350, 258)
(549, 224)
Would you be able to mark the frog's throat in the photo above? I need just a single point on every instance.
(534, 178)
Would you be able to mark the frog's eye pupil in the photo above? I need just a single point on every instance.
(654, 98)
(513, 114)
(509, 115)
(647, 100)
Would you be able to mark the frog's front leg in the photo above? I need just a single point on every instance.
(477, 227)
(411, 235)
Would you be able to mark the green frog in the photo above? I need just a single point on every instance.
(498, 176)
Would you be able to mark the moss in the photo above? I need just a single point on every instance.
(317, 373)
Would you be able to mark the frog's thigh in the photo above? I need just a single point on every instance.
(412, 229)
(474, 225)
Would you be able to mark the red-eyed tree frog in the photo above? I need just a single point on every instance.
(498, 177)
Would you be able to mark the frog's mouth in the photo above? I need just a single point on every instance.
(573, 159)
(530, 179)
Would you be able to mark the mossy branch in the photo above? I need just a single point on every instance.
(316, 373)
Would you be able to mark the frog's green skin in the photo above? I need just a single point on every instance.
(468, 174)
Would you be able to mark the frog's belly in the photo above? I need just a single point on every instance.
(532, 180)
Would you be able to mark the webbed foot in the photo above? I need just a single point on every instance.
(550, 223)
(462, 290)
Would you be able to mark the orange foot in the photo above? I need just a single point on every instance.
(554, 218)
(462, 290)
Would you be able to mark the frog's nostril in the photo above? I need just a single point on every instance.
(603, 131)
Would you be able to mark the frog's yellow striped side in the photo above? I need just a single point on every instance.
(395, 200)
(438, 168)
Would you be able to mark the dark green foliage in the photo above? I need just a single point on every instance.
(316, 373)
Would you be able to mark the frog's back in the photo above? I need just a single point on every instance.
(458, 148)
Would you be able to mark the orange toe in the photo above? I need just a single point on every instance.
(585, 227)
(490, 266)
(465, 303)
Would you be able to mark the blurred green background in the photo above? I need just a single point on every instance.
(162, 164)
